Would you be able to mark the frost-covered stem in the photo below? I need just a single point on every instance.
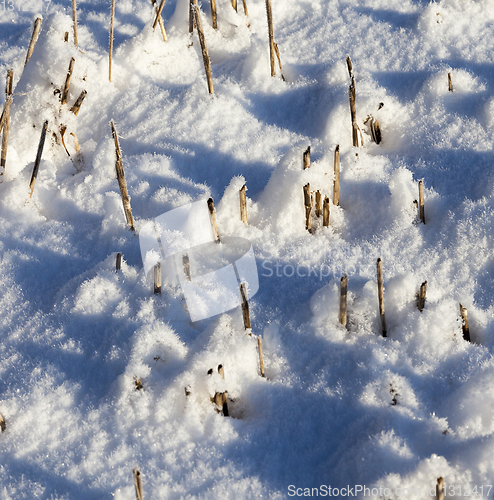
(450, 83)
(279, 61)
(245, 306)
(353, 111)
(243, 205)
(214, 15)
(440, 489)
(157, 278)
(325, 212)
(214, 224)
(38, 159)
(34, 38)
(74, 17)
(464, 318)
(202, 40)
(349, 66)
(138, 484)
(112, 18)
(6, 126)
(77, 105)
(308, 207)
(118, 263)
(158, 14)
(186, 266)
(234, 5)
(65, 92)
(421, 296)
(269, 12)
(306, 158)
(121, 180)
(421, 202)
(162, 26)
(343, 294)
(261, 358)
(380, 289)
(336, 183)
(318, 204)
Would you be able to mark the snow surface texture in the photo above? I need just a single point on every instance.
(338, 407)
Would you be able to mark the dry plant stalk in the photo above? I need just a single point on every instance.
(138, 484)
(465, 327)
(261, 358)
(160, 22)
(243, 205)
(343, 294)
(118, 263)
(77, 105)
(191, 17)
(158, 15)
(440, 489)
(220, 400)
(246, 12)
(421, 202)
(325, 212)
(234, 5)
(245, 306)
(353, 111)
(6, 118)
(269, 13)
(2, 423)
(214, 224)
(202, 40)
(214, 14)
(349, 66)
(74, 17)
(308, 207)
(306, 158)
(380, 289)
(112, 19)
(157, 279)
(336, 183)
(221, 371)
(34, 39)
(277, 50)
(121, 180)
(450, 83)
(66, 86)
(421, 296)
(318, 204)
(38, 159)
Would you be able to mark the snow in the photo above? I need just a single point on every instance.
(338, 406)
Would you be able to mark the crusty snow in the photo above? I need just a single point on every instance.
(338, 407)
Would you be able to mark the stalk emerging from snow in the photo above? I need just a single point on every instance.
(440, 489)
(6, 117)
(66, 86)
(214, 224)
(243, 205)
(138, 484)
(421, 202)
(353, 111)
(318, 204)
(325, 212)
(38, 159)
(34, 38)
(214, 15)
(380, 290)
(118, 263)
(77, 105)
(306, 158)
(343, 294)
(202, 40)
(464, 318)
(160, 21)
(421, 296)
(157, 279)
(336, 183)
(234, 5)
(121, 180)
(74, 17)
(261, 359)
(269, 13)
(245, 306)
(308, 207)
(450, 83)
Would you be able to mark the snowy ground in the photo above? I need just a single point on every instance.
(337, 407)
